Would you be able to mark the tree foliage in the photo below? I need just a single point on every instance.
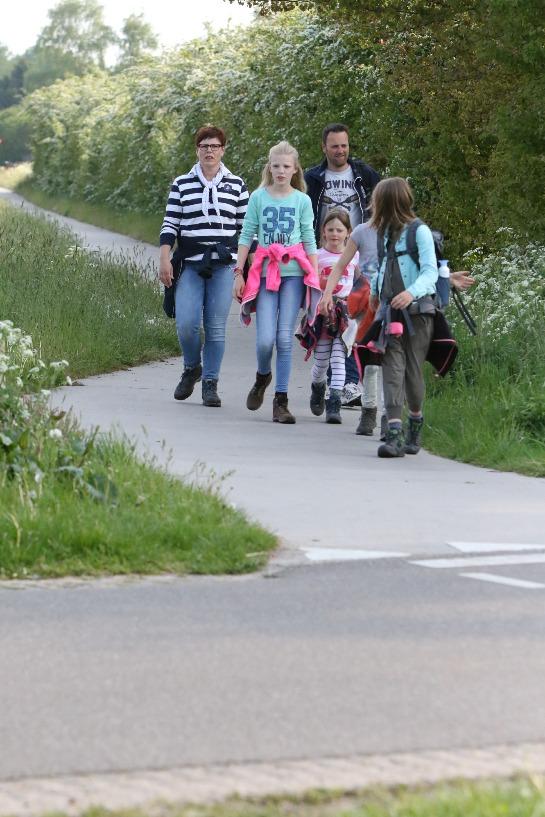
(6, 61)
(77, 27)
(73, 43)
(14, 135)
(137, 38)
(425, 93)
(12, 84)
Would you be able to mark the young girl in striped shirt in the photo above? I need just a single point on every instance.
(330, 350)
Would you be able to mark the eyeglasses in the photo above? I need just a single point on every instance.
(206, 146)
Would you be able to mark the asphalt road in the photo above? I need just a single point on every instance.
(309, 662)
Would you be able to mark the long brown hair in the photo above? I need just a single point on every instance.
(392, 206)
(297, 180)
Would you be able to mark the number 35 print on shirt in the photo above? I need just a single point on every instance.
(278, 224)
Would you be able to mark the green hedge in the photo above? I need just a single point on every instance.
(435, 108)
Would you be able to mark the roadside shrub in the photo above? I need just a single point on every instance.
(30, 434)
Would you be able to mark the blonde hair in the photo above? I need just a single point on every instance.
(342, 215)
(392, 206)
(297, 180)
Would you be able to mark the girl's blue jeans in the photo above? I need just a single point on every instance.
(206, 301)
(276, 314)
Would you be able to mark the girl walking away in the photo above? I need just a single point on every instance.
(284, 271)
(405, 291)
(330, 350)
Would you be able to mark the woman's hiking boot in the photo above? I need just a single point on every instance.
(394, 445)
(190, 376)
(281, 412)
(333, 407)
(413, 440)
(257, 392)
(317, 398)
(368, 421)
(210, 396)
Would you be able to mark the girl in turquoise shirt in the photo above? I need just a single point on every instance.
(280, 215)
(407, 287)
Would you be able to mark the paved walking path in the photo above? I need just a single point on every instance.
(317, 486)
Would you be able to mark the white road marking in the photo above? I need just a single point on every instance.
(491, 547)
(340, 555)
(492, 577)
(484, 561)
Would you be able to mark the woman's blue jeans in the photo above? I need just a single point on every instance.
(276, 314)
(206, 301)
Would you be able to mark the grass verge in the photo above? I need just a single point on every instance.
(491, 411)
(96, 312)
(69, 507)
(513, 798)
(146, 522)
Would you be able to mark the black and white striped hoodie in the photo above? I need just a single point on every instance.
(184, 216)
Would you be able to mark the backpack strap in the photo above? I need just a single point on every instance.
(380, 249)
(412, 246)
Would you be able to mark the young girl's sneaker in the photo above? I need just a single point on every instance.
(351, 395)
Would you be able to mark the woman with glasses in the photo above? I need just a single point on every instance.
(204, 214)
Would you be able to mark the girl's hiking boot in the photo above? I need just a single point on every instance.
(333, 407)
(210, 396)
(257, 392)
(413, 440)
(281, 412)
(317, 398)
(185, 387)
(394, 445)
(368, 421)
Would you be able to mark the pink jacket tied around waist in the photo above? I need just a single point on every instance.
(276, 254)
